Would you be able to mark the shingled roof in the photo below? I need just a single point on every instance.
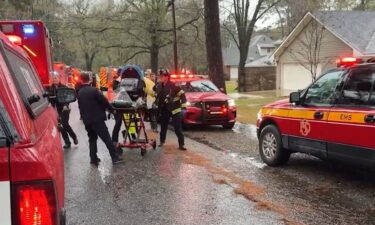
(355, 28)
(231, 55)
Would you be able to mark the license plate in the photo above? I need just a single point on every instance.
(216, 113)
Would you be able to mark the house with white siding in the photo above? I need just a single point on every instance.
(343, 33)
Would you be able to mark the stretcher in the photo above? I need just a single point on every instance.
(135, 135)
(129, 104)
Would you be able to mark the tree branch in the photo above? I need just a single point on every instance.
(135, 54)
(267, 9)
(182, 25)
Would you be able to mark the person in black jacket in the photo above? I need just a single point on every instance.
(171, 102)
(63, 111)
(93, 106)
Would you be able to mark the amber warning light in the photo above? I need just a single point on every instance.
(15, 39)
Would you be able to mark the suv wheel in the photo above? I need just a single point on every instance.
(270, 147)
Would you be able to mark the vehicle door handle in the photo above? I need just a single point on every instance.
(370, 118)
(318, 115)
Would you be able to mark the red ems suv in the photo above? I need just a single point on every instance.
(206, 104)
(333, 118)
(31, 156)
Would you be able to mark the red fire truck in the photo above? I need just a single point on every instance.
(34, 38)
(61, 69)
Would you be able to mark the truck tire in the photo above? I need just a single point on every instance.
(270, 147)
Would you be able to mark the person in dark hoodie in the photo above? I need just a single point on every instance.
(93, 106)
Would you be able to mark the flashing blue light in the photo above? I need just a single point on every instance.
(28, 29)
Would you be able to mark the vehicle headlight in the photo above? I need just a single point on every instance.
(259, 115)
(188, 104)
(231, 103)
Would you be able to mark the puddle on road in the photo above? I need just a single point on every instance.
(246, 188)
(247, 129)
(105, 173)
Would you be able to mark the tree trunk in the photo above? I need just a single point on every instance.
(213, 43)
(154, 54)
(242, 75)
(362, 5)
(89, 59)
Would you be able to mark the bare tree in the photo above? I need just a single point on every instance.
(308, 48)
(245, 21)
(151, 29)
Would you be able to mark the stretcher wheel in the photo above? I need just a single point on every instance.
(154, 144)
(143, 151)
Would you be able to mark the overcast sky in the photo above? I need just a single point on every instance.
(225, 6)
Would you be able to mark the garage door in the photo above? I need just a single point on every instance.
(233, 73)
(295, 77)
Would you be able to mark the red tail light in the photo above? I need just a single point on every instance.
(34, 204)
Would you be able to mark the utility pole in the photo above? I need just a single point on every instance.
(171, 3)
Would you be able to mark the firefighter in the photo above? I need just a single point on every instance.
(171, 102)
(92, 106)
(63, 111)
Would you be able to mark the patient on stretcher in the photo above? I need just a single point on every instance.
(123, 100)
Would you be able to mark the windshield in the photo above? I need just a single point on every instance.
(198, 86)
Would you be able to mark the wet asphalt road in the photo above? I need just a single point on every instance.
(219, 180)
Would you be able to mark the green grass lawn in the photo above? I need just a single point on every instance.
(231, 86)
(247, 108)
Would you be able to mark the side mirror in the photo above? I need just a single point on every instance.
(65, 95)
(295, 97)
(33, 98)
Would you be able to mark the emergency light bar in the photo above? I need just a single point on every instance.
(348, 61)
(175, 76)
(28, 29)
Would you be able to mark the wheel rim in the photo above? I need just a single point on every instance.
(269, 145)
